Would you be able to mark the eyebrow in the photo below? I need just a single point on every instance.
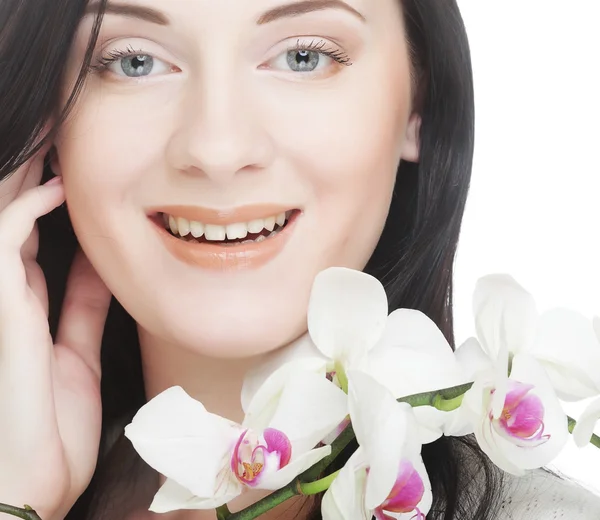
(304, 7)
(284, 11)
(131, 11)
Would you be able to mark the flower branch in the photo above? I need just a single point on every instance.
(26, 513)
(305, 483)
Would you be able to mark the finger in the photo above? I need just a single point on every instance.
(84, 312)
(18, 218)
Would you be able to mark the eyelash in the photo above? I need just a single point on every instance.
(319, 46)
(335, 54)
(111, 57)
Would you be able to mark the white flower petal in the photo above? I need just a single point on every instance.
(413, 329)
(582, 433)
(567, 343)
(345, 498)
(297, 465)
(347, 312)
(505, 315)
(385, 460)
(407, 371)
(266, 399)
(430, 423)
(434, 423)
(472, 359)
(413, 356)
(176, 436)
(173, 497)
(381, 427)
(272, 369)
(309, 408)
(569, 383)
(427, 499)
(369, 403)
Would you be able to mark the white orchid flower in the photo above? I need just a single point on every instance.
(530, 428)
(349, 328)
(209, 460)
(563, 341)
(385, 477)
(586, 423)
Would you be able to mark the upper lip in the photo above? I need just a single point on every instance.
(221, 217)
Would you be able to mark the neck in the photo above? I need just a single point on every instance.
(216, 383)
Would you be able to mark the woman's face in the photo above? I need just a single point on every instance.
(233, 118)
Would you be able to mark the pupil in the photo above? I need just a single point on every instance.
(136, 66)
(303, 56)
(303, 60)
(138, 62)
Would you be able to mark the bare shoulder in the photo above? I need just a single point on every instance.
(540, 495)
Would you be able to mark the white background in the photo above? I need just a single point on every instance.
(534, 208)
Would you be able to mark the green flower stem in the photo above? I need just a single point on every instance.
(447, 405)
(313, 488)
(223, 512)
(447, 400)
(267, 503)
(337, 446)
(441, 398)
(342, 377)
(26, 513)
(595, 440)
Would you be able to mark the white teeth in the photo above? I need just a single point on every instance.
(270, 223)
(197, 229)
(183, 226)
(235, 231)
(256, 226)
(238, 231)
(173, 225)
(213, 232)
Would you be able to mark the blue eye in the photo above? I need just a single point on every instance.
(303, 60)
(137, 66)
(131, 64)
(311, 57)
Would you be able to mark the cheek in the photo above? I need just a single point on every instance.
(108, 150)
(113, 140)
(345, 146)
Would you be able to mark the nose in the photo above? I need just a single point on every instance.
(219, 133)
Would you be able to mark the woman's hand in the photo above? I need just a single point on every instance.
(50, 407)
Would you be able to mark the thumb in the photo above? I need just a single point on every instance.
(84, 312)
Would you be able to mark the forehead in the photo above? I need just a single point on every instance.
(262, 11)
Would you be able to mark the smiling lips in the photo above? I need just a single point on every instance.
(244, 238)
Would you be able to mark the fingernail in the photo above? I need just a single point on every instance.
(54, 180)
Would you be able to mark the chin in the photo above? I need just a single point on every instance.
(219, 334)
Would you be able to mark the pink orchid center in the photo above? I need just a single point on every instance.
(254, 455)
(522, 417)
(406, 494)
